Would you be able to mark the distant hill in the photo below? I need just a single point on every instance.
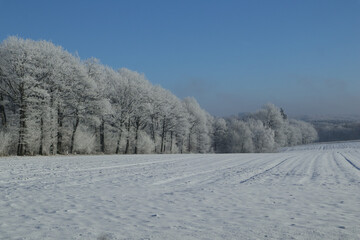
(335, 127)
(329, 117)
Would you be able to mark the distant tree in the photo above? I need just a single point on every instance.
(219, 135)
(263, 138)
(239, 137)
(307, 131)
(283, 114)
(271, 117)
(199, 138)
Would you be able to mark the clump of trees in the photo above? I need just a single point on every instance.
(52, 102)
(263, 131)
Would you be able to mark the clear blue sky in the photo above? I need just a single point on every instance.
(233, 56)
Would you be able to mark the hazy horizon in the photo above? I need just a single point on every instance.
(232, 56)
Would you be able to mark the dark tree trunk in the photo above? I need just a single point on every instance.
(59, 131)
(73, 134)
(171, 141)
(162, 148)
(2, 112)
(118, 143)
(198, 143)
(189, 143)
(182, 146)
(41, 136)
(102, 136)
(128, 138)
(153, 132)
(136, 137)
(127, 146)
(21, 143)
(52, 151)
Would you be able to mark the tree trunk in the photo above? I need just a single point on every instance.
(136, 137)
(59, 131)
(189, 143)
(162, 149)
(21, 143)
(52, 137)
(171, 141)
(153, 132)
(73, 134)
(2, 112)
(41, 136)
(182, 146)
(102, 136)
(127, 138)
(118, 143)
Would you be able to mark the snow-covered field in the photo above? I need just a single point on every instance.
(306, 192)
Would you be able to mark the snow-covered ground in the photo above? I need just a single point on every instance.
(306, 192)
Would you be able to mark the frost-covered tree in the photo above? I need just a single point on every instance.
(272, 118)
(199, 135)
(239, 137)
(219, 135)
(26, 66)
(168, 121)
(104, 78)
(305, 132)
(137, 106)
(263, 138)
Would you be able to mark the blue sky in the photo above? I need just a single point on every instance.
(232, 56)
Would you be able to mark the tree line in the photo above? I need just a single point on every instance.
(337, 130)
(52, 102)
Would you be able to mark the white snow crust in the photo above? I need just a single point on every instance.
(306, 192)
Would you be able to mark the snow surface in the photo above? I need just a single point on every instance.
(306, 192)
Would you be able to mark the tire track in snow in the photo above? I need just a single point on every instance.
(263, 172)
(299, 170)
(231, 175)
(344, 167)
(195, 174)
(349, 161)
